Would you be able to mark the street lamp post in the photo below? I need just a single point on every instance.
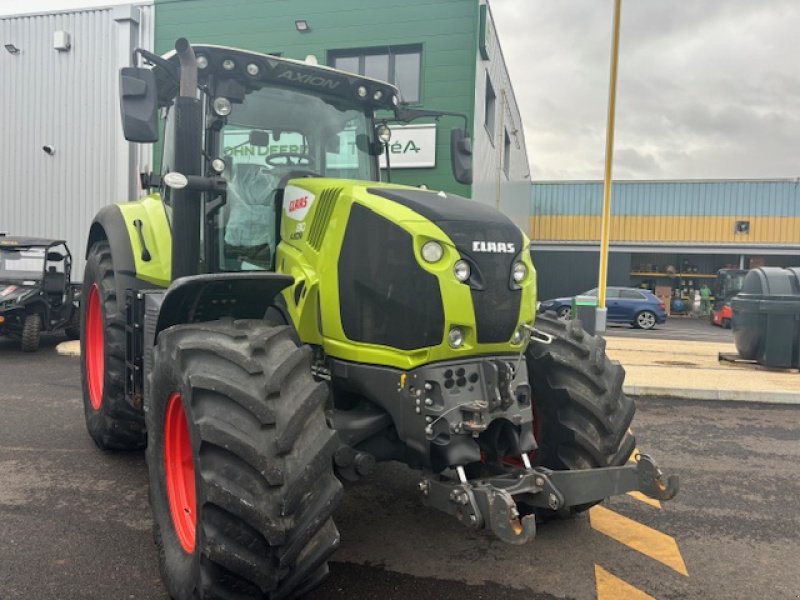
(605, 233)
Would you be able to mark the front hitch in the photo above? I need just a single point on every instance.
(491, 503)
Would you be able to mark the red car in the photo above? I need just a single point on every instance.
(723, 315)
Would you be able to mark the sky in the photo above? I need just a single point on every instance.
(706, 88)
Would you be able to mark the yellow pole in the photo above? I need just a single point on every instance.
(605, 232)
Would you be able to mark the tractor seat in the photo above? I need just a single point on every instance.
(54, 284)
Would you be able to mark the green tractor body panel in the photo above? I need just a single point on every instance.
(151, 215)
(317, 231)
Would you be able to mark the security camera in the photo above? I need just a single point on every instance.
(49, 149)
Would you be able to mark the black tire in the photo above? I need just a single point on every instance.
(582, 413)
(564, 312)
(73, 328)
(262, 462)
(726, 323)
(31, 332)
(112, 422)
(645, 320)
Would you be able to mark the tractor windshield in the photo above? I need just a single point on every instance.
(274, 135)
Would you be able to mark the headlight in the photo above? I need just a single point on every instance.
(432, 251)
(222, 106)
(461, 270)
(202, 61)
(519, 271)
(361, 91)
(253, 69)
(455, 337)
(228, 64)
(218, 165)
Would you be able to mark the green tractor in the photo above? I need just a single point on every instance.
(272, 320)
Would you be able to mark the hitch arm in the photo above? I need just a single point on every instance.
(492, 503)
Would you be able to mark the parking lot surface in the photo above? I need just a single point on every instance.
(75, 523)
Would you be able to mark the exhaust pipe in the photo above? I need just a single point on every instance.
(187, 132)
(188, 62)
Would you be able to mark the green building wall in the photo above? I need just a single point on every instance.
(447, 31)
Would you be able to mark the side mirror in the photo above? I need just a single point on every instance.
(372, 148)
(138, 98)
(259, 138)
(461, 155)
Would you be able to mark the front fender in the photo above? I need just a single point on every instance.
(208, 297)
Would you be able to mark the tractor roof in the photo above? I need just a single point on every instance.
(254, 70)
(14, 241)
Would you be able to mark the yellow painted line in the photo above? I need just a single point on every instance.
(611, 587)
(646, 499)
(650, 542)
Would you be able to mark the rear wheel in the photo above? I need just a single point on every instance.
(583, 414)
(73, 328)
(645, 320)
(240, 462)
(31, 332)
(111, 420)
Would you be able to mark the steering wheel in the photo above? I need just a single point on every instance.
(290, 159)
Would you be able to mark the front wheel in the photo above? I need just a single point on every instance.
(563, 312)
(645, 320)
(581, 415)
(111, 420)
(31, 332)
(240, 462)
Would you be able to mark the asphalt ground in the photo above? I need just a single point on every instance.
(75, 523)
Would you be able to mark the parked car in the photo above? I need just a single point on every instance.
(35, 290)
(638, 307)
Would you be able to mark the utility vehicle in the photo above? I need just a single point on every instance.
(35, 290)
(272, 319)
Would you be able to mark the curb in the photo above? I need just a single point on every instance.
(748, 396)
(71, 348)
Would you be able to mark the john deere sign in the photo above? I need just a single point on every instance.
(412, 147)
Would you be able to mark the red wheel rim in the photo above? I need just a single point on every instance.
(94, 348)
(179, 472)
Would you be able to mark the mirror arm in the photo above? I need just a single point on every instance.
(406, 115)
(156, 60)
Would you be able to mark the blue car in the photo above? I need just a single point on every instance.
(639, 308)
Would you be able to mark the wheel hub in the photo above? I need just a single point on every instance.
(179, 473)
(95, 348)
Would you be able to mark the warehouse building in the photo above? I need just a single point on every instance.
(58, 87)
(663, 233)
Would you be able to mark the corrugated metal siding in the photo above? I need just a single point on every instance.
(679, 211)
(67, 100)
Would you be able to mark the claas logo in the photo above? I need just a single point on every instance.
(298, 204)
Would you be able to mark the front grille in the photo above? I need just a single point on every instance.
(467, 221)
(385, 296)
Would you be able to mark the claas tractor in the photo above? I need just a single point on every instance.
(272, 320)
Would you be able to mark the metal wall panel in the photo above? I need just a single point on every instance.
(67, 100)
(670, 211)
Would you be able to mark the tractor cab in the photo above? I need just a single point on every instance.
(260, 122)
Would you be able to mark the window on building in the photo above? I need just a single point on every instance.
(400, 65)
(506, 153)
(489, 108)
